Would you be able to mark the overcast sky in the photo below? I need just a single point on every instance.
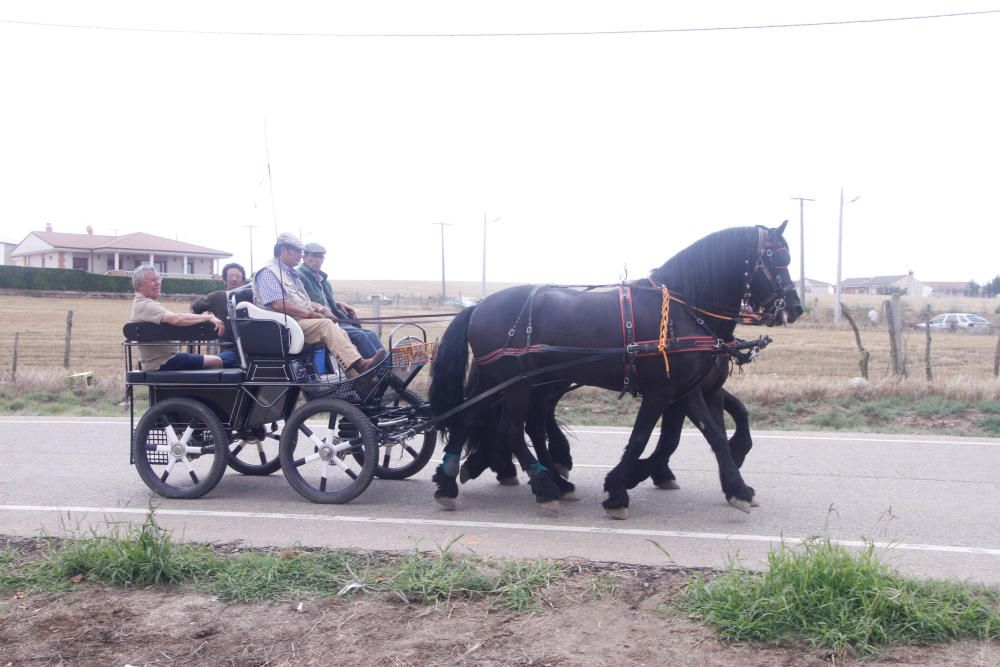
(596, 152)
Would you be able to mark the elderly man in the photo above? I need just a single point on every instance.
(318, 286)
(278, 286)
(147, 308)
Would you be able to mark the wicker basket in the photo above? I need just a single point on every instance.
(412, 353)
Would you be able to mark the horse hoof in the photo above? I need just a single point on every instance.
(549, 506)
(569, 495)
(562, 470)
(463, 474)
(670, 485)
(741, 505)
(446, 503)
(509, 481)
(617, 512)
(754, 503)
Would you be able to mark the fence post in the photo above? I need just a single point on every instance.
(892, 318)
(17, 337)
(865, 354)
(69, 332)
(996, 359)
(377, 313)
(927, 362)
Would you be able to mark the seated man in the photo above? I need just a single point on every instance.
(234, 276)
(318, 286)
(278, 286)
(147, 308)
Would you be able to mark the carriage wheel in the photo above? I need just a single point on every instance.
(317, 461)
(257, 454)
(179, 448)
(406, 458)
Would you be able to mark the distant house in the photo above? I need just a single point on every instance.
(6, 247)
(818, 287)
(95, 253)
(904, 284)
(950, 289)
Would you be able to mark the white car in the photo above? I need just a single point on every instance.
(957, 321)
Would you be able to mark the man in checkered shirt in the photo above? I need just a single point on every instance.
(279, 287)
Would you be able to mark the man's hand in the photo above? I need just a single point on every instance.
(220, 327)
(351, 313)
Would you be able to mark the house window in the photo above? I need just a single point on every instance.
(161, 267)
(111, 264)
(80, 262)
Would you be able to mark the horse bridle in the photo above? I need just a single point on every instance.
(771, 308)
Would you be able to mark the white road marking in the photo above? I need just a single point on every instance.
(638, 532)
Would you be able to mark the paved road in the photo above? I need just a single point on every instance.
(934, 498)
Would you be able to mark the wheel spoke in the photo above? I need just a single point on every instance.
(187, 464)
(186, 436)
(166, 471)
(323, 476)
(387, 458)
(411, 451)
(343, 466)
(235, 451)
(306, 459)
(261, 454)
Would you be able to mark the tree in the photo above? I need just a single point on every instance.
(992, 288)
(973, 288)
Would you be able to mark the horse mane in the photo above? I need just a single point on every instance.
(710, 272)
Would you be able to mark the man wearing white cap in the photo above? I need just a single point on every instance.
(279, 287)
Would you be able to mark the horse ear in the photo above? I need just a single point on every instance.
(781, 227)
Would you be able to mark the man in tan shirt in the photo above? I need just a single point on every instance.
(147, 308)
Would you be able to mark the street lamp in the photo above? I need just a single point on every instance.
(484, 251)
(840, 252)
(802, 248)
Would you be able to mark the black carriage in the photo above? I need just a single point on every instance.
(330, 435)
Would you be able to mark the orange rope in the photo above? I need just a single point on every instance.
(664, 328)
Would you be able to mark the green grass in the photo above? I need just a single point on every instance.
(830, 597)
(135, 556)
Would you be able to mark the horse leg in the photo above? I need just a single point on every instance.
(741, 442)
(542, 482)
(562, 460)
(657, 465)
(446, 472)
(709, 422)
(536, 426)
(616, 481)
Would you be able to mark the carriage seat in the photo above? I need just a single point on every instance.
(210, 376)
(285, 334)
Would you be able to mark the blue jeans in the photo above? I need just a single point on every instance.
(366, 341)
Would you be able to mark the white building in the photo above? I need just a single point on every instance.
(95, 253)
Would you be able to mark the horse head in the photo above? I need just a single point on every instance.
(770, 291)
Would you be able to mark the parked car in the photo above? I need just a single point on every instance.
(463, 301)
(957, 321)
(382, 298)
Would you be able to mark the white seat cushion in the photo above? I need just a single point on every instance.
(296, 339)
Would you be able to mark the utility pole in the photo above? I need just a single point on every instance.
(840, 253)
(484, 251)
(250, 229)
(442, 225)
(802, 249)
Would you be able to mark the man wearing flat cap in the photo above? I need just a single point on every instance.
(278, 286)
(318, 286)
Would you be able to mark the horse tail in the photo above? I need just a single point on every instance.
(448, 370)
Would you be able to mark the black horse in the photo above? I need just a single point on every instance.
(530, 334)
(488, 451)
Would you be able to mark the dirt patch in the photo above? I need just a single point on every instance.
(629, 618)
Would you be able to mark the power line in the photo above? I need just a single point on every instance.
(431, 35)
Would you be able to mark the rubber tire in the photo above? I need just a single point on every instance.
(256, 469)
(289, 438)
(419, 462)
(191, 409)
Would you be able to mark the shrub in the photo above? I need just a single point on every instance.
(22, 277)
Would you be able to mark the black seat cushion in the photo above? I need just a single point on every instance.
(210, 376)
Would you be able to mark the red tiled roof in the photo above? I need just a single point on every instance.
(139, 241)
